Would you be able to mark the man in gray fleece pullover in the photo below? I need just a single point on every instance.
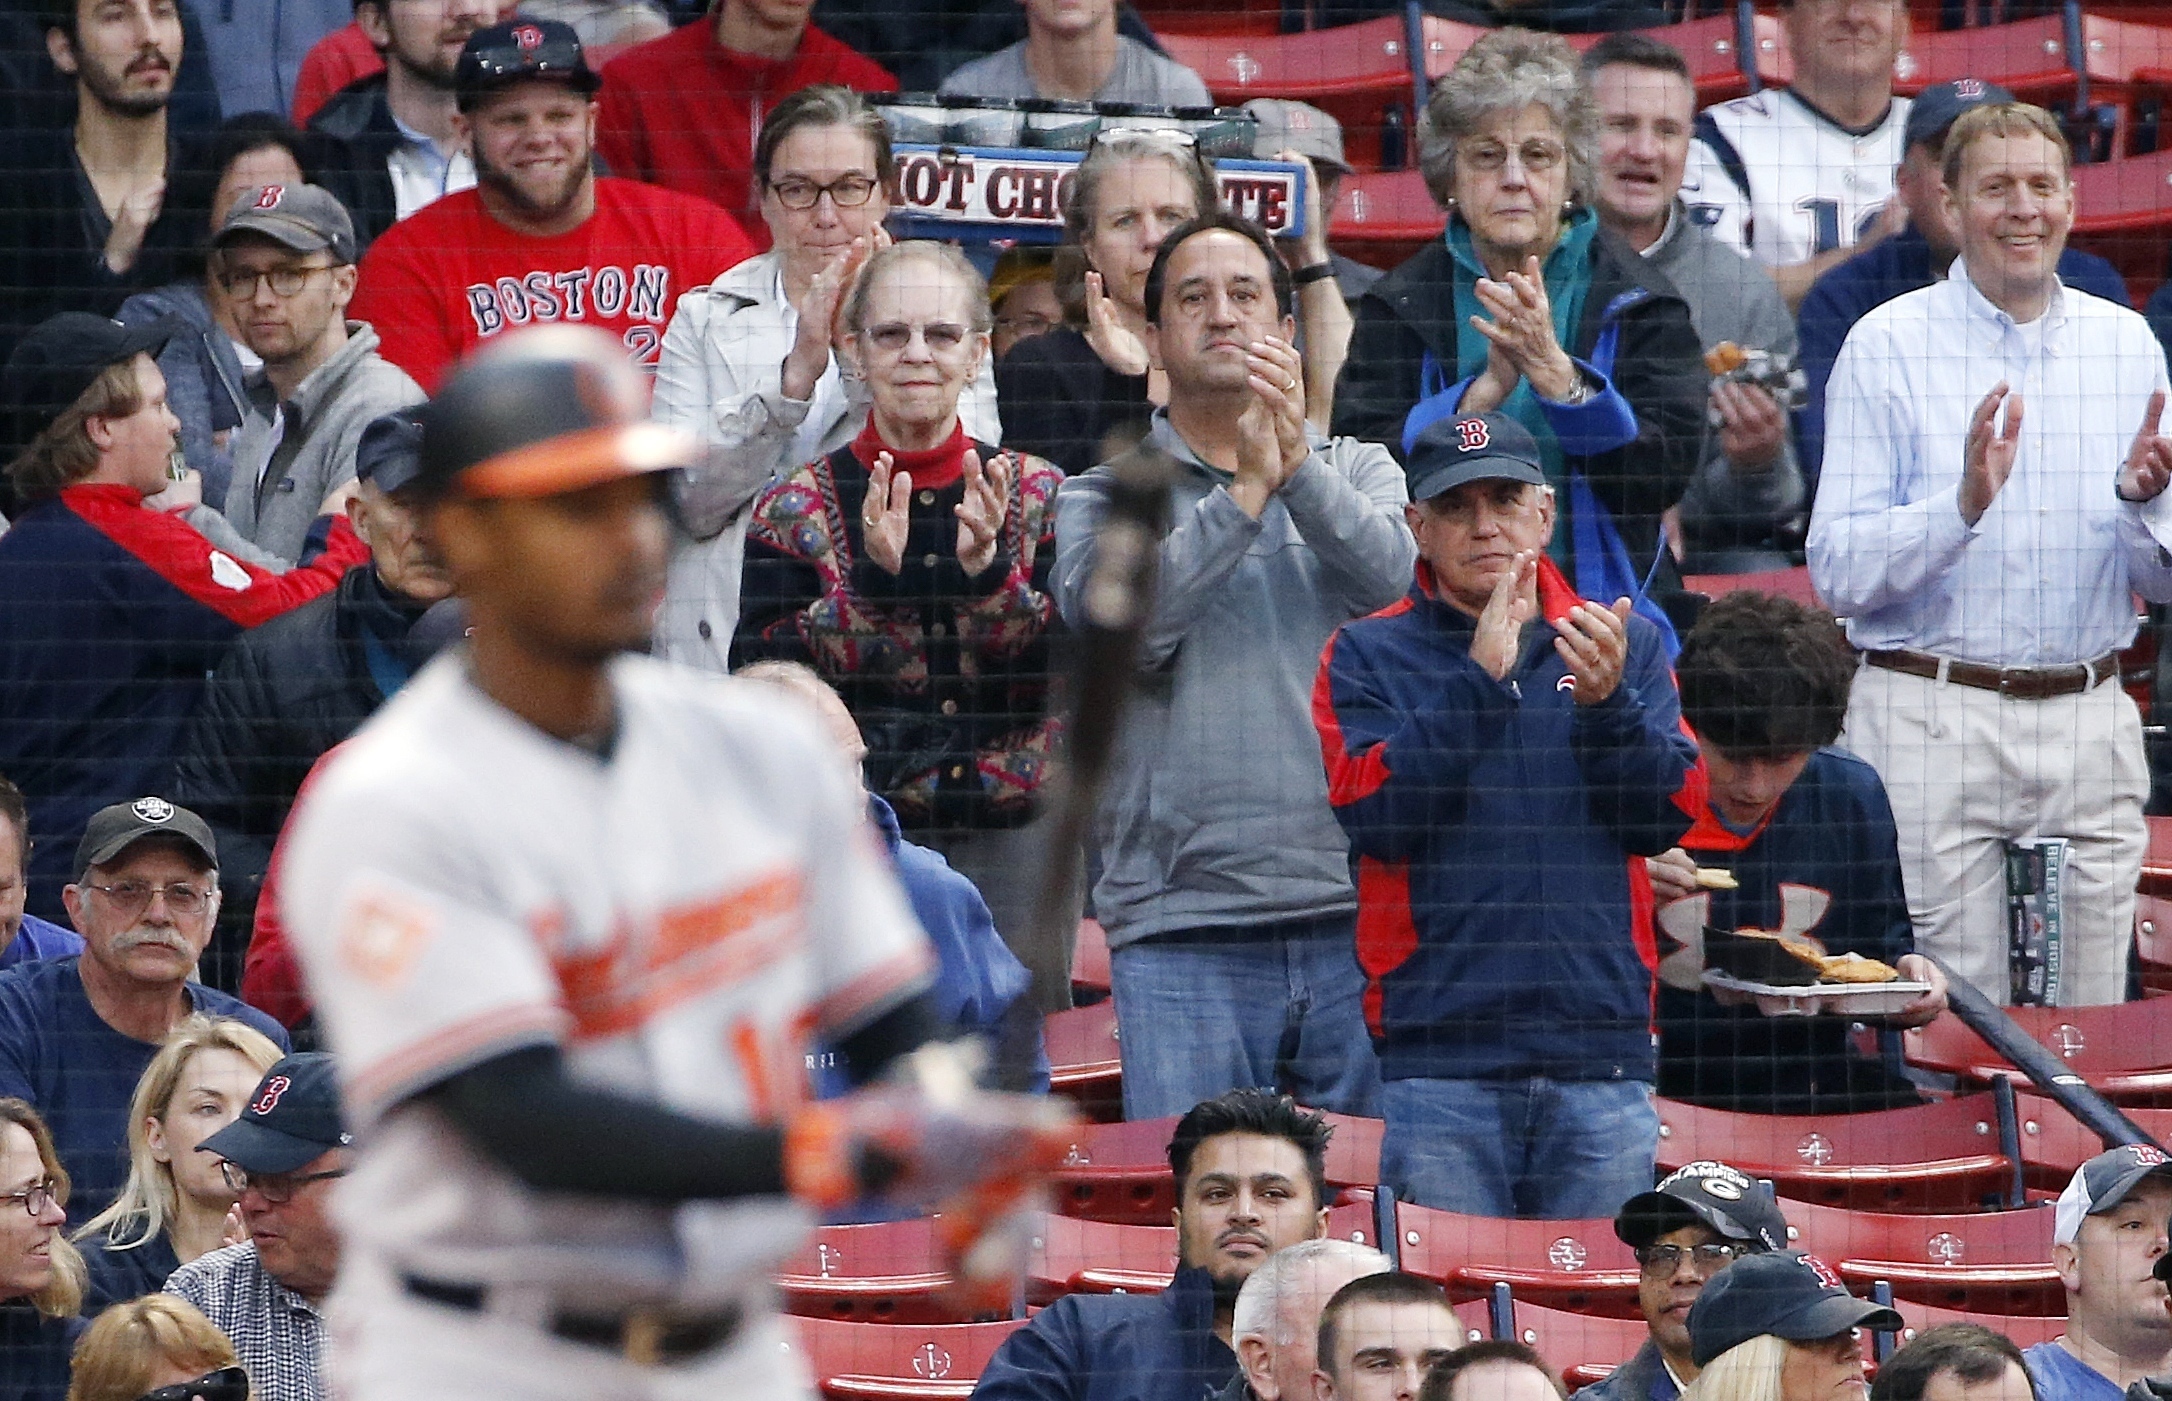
(1225, 882)
(285, 260)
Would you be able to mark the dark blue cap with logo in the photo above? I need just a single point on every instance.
(1788, 1294)
(291, 1121)
(62, 356)
(1471, 448)
(518, 50)
(1739, 1207)
(1939, 106)
(389, 455)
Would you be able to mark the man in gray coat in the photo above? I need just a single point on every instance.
(284, 259)
(1225, 881)
(1748, 480)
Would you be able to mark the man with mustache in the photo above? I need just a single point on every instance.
(77, 1033)
(541, 238)
(1251, 1179)
(390, 143)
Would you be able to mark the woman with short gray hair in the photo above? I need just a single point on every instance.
(1528, 307)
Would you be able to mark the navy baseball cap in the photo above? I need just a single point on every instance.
(291, 1121)
(1939, 106)
(62, 357)
(2103, 1183)
(1472, 448)
(112, 830)
(389, 455)
(1786, 1293)
(517, 50)
(1730, 1201)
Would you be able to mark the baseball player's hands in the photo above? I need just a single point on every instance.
(1753, 426)
(1594, 641)
(980, 514)
(883, 518)
(1513, 603)
(1674, 875)
(1523, 327)
(1117, 344)
(2149, 461)
(1988, 459)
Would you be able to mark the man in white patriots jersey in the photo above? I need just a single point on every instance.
(1801, 178)
(569, 918)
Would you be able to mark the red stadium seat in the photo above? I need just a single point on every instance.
(1383, 219)
(1580, 1266)
(1074, 1256)
(1120, 1172)
(897, 1362)
(2133, 195)
(890, 1272)
(1583, 1348)
(2124, 1051)
(2025, 1332)
(1709, 47)
(1090, 963)
(2157, 858)
(1992, 1262)
(1939, 1157)
(2153, 944)
(2027, 56)
(1084, 1062)
(2054, 1144)
(1784, 583)
(1326, 67)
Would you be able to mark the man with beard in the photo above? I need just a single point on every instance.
(1250, 1179)
(84, 218)
(390, 143)
(541, 237)
(77, 1033)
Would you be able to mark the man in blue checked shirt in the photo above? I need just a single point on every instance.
(1988, 509)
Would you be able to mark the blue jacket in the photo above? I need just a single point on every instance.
(1504, 918)
(1869, 280)
(40, 939)
(1116, 1347)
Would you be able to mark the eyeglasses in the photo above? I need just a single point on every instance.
(891, 337)
(132, 897)
(35, 1198)
(1536, 154)
(1025, 323)
(226, 1384)
(846, 192)
(285, 282)
(1660, 1261)
(276, 1188)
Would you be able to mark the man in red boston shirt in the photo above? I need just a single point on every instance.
(540, 238)
(683, 111)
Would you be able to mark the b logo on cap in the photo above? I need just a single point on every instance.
(270, 195)
(2147, 1153)
(152, 810)
(527, 36)
(269, 1100)
(1473, 433)
(1823, 1271)
(1968, 89)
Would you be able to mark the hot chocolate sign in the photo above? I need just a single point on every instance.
(992, 193)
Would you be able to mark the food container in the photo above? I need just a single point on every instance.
(1855, 1000)
(1058, 126)
(1755, 960)
(1221, 131)
(914, 118)
(1137, 116)
(984, 121)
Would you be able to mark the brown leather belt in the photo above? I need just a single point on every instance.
(644, 1336)
(2018, 682)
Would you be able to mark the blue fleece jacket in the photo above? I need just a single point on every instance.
(1496, 830)
(1116, 1347)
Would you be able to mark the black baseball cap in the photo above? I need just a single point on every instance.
(1730, 1201)
(2103, 1183)
(1934, 110)
(300, 218)
(389, 455)
(1786, 1293)
(61, 358)
(1470, 448)
(112, 830)
(292, 1119)
(517, 50)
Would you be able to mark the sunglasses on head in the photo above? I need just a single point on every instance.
(226, 1384)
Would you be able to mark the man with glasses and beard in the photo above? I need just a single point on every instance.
(390, 143)
(77, 1033)
(541, 238)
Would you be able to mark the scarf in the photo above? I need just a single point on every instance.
(933, 469)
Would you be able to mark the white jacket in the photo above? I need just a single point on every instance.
(720, 377)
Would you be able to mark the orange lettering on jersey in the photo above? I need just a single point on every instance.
(383, 935)
(678, 955)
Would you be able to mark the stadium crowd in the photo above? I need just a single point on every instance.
(1438, 791)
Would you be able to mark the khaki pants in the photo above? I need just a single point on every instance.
(1968, 770)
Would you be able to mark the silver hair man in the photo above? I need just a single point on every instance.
(1275, 1329)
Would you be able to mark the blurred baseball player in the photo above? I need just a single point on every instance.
(569, 917)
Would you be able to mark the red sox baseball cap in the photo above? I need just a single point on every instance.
(291, 1120)
(1786, 1293)
(2103, 1183)
(1470, 448)
(302, 218)
(519, 50)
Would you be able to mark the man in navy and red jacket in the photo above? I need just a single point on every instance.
(1807, 835)
(1502, 755)
(111, 614)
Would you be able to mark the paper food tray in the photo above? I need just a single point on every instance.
(1835, 999)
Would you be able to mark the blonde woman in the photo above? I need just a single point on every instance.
(157, 1348)
(174, 1205)
(1781, 1327)
(41, 1276)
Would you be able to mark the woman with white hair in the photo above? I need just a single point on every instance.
(1527, 306)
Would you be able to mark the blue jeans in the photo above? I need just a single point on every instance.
(1524, 1147)
(1276, 1006)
